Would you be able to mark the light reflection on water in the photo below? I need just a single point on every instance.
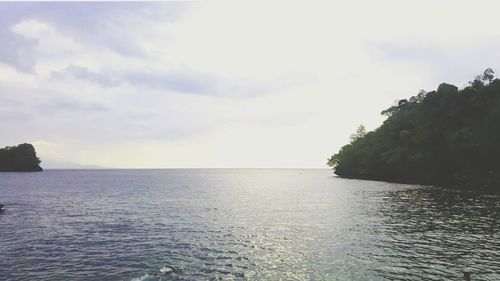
(241, 224)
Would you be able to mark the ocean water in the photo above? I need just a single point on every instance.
(241, 225)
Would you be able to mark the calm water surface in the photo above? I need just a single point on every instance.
(241, 225)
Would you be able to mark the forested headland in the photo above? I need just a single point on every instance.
(20, 158)
(446, 136)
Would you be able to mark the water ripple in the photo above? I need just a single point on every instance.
(241, 225)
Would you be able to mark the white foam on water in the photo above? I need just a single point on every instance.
(166, 269)
(142, 278)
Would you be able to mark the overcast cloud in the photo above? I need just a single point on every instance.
(275, 84)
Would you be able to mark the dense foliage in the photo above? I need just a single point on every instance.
(439, 137)
(19, 158)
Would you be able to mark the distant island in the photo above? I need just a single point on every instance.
(443, 137)
(21, 158)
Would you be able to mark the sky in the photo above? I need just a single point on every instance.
(256, 84)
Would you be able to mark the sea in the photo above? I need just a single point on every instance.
(241, 224)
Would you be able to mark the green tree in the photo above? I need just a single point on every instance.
(19, 158)
(360, 133)
(433, 137)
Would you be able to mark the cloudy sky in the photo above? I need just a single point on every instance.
(205, 84)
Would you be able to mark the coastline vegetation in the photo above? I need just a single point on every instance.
(20, 158)
(446, 136)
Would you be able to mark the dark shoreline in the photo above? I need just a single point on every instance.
(22, 170)
(462, 182)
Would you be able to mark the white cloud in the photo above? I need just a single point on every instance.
(276, 84)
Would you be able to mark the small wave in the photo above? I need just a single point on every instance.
(142, 278)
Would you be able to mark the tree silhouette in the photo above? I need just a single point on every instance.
(19, 158)
(360, 133)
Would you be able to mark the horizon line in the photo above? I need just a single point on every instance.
(192, 168)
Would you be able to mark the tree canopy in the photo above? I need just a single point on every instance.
(19, 158)
(437, 137)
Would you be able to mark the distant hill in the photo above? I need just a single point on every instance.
(57, 164)
(21, 158)
(447, 136)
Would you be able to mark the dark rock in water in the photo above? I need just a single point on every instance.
(21, 158)
(1, 207)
